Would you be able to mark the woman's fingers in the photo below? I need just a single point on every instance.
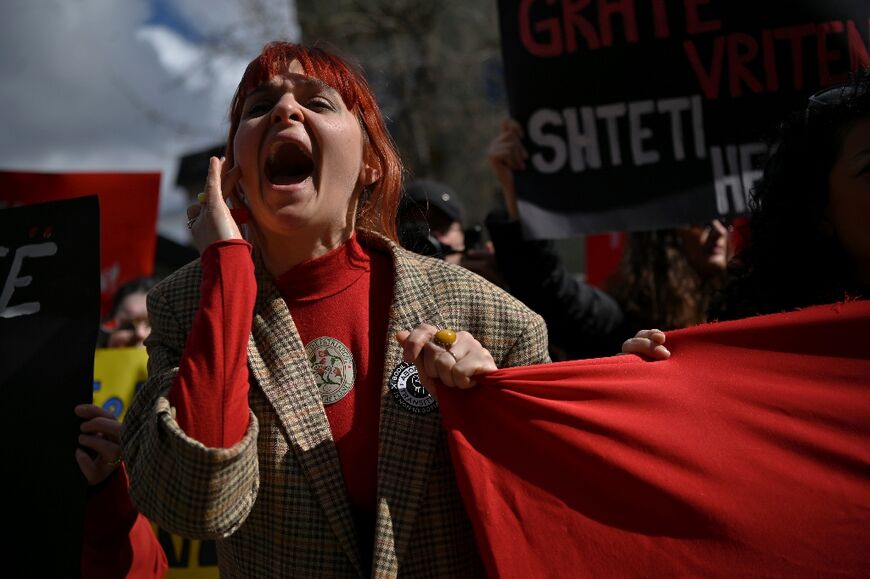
(518, 155)
(108, 456)
(107, 449)
(92, 411)
(213, 191)
(510, 125)
(647, 343)
(414, 341)
(100, 423)
(429, 361)
(107, 427)
(101, 432)
(452, 366)
(471, 359)
(210, 220)
(88, 466)
(96, 469)
(507, 150)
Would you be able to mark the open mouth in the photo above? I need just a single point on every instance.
(288, 163)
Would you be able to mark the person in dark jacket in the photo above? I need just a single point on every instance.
(582, 320)
(665, 280)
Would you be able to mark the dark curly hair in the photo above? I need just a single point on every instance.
(656, 286)
(793, 258)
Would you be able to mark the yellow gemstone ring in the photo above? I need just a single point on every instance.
(445, 338)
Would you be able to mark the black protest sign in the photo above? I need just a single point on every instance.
(641, 114)
(49, 316)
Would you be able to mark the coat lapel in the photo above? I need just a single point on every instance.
(407, 440)
(278, 363)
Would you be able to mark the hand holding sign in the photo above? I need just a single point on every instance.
(101, 433)
(506, 154)
(211, 220)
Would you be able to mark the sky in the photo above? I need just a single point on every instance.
(114, 86)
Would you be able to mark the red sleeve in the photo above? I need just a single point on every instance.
(210, 393)
(118, 541)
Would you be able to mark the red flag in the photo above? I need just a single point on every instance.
(128, 216)
(745, 454)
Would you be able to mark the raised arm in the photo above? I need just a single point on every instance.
(197, 475)
(582, 320)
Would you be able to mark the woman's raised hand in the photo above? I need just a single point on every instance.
(210, 219)
(438, 363)
(647, 344)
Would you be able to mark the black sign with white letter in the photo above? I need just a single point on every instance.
(642, 114)
(49, 317)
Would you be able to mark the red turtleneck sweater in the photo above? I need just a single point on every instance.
(339, 303)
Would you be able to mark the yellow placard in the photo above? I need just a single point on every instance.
(118, 374)
(188, 558)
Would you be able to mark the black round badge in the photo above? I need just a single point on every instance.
(409, 392)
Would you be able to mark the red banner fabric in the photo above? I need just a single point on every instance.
(746, 454)
(603, 253)
(128, 216)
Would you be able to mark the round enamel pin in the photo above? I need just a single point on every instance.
(409, 392)
(333, 368)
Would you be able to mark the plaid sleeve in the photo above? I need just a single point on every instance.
(530, 346)
(513, 334)
(182, 485)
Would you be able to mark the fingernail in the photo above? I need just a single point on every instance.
(201, 197)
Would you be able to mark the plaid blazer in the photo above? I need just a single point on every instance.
(276, 501)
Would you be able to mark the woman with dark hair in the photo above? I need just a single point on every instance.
(666, 279)
(809, 241)
(289, 410)
(809, 237)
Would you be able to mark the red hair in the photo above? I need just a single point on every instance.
(377, 210)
